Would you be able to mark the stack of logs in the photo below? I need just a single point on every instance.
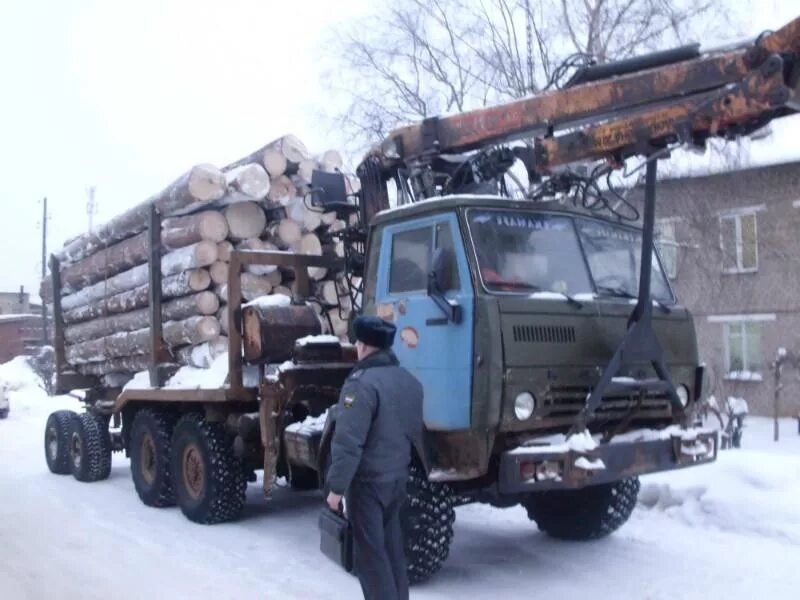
(259, 202)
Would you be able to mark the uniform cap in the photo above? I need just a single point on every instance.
(374, 331)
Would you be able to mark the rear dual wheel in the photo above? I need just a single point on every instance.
(89, 447)
(151, 461)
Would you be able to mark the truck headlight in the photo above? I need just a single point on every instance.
(524, 405)
(683, 394)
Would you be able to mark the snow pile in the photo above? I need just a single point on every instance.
(188, 378)
(309, 425)
(737, 406)
(194, 378)
(26, 393)
(272, 300)
(317, 339)
(17, 374)
(744, 491)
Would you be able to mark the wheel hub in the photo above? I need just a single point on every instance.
(147, 456)
(75, 450)
(194, 473)
(52, 443)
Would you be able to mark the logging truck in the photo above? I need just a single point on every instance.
(557, 364)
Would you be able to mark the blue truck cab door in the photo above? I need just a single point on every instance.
(436, 350)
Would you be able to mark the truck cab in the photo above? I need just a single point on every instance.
(508, 312)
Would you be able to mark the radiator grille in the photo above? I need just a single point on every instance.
(544, 334)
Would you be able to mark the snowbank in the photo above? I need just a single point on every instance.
(744, 491)
(26, 393)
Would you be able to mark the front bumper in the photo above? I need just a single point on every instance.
(551, 466)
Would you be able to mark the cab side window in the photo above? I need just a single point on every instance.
(411, 260)
(444, 240)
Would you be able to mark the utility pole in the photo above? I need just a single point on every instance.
(45, 335)
(91, 206)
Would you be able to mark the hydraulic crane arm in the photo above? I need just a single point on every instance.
(679, 96)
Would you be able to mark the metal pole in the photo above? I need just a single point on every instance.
(45, 335)
(645, 301)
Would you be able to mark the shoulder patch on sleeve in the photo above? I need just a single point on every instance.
(349, 399)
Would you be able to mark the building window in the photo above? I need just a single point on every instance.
(411, 258)
(743, 350)
(667, 245)
(739, 242)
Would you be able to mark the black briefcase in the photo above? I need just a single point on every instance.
(336, 538)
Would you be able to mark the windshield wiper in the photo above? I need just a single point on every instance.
(620, 292)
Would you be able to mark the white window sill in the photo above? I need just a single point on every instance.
(739, 271)
(744, 376)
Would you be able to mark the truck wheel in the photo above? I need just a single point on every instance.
(89, 447)
(4, 413)
(586, 514)
(151, 457)
(56, 441)
(208, 479)
(427, 521)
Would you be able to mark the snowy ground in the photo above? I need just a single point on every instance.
(728, 530)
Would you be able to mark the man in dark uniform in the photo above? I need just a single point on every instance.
(378, 418)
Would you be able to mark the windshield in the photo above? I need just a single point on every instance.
(614, 257)
(522, 252)
(526, 253)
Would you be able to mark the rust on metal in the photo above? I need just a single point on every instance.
(786, 39)
(239, 258)
(273, 395)
(148, 459)
(704, 113)
(270, 332)
(193, 471)
(158, 349)
(474, 129)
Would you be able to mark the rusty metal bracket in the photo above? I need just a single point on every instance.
(157, 345)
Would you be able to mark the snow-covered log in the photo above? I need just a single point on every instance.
(191, 331)
(197, 255)
(202, 303)
(193, 190)
(246, 183)
(202, 355)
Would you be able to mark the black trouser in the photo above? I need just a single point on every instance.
(374, 512)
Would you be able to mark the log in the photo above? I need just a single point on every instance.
(328, 218)
(275, 278)
(222, 317)
(285, 234)
(310, 244)
(208, 225)
(289, 146)
(200, 186)
(248, 182)
(203, 303)
(282, 290)
(281, 190)
(219, 272)
(335, 293)
(197, 255)
(245, 220)
(258, 244)
(173, 286)
(202, 355)
(176, 233)
(340, 326)
(224, 250)
(305, 170)
(123, 364)
(331, 161)
(275, 162)
(194, 330)
(253, 286)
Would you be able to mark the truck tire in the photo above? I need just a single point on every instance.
(4, 414)
(208, 478)
(151, 457)
(89, 447)
(56, 441)
(585, 514)
(427, 520)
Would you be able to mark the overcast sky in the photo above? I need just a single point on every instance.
(127, 95)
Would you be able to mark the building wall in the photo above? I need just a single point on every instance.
(14, 303)
(11, 339)
(768, 296)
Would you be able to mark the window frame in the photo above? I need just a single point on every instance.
(741, 324)
(431, 227)
(736, 217)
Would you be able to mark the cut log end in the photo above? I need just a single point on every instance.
(206, 183)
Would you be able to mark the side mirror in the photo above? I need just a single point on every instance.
(441, 269)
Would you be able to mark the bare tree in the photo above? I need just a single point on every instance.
(413, 59)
